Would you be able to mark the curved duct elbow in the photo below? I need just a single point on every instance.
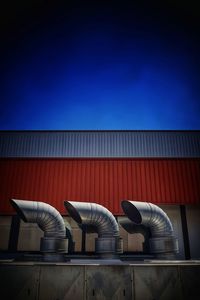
(48, 219)
(162, 239)
(131, 228)
(92, 217)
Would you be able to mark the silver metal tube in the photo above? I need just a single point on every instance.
(131, 228)
(162, 235)
(93, 217)
(48, 219)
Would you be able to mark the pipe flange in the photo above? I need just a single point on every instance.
(51, 245)
(163, 244)
(109, 245)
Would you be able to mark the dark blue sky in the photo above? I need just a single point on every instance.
(100, 65)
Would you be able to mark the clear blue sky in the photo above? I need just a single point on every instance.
(100, 65)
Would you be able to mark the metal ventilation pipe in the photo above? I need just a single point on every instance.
(92, 217)
(69, 236)
(131, 228)
(48, 219)
(162, 242)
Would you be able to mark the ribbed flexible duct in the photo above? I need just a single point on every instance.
(93, 217)
(131, 228)
(48, 219)
(162, 239)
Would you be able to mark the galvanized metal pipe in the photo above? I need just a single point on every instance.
(131, 228)
(93, 217)
(162, 241)
(48, 219)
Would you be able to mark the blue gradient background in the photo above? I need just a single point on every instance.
(100, 65)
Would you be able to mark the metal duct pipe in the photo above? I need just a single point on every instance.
(48, 219)
(162, 242)
(69, 236)
(131, 228)
(92, 217)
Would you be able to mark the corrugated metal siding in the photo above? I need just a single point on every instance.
(105, 181)
(100, 144)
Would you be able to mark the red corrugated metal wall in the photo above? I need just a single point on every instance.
(105, 181)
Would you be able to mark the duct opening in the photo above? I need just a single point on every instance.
(18, 210)
(54, 242)
(132, 212)
(73, 212)
(92, 217)
(162, 242)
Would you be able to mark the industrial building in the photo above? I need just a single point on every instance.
(106, 168)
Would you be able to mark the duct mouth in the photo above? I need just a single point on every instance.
(18, 210)
(48, 220)
(93, 217)
(132, 212)
(162, 241)
(73, 212)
